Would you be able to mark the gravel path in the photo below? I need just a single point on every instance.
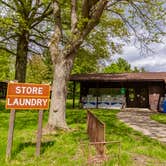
(140, 121)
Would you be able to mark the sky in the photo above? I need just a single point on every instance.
(154, 63)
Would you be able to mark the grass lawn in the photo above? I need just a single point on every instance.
(159, 117)
(70, 148)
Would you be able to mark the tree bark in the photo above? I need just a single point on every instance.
(21, 57)
(57, 113)
(63, 57)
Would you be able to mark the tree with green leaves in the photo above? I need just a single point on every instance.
(136, 69)
(142, 19)
(23, 30)
(26, 27)
(121, 66)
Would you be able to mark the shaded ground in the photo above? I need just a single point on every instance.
(141, 121)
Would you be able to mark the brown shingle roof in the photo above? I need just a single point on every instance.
(145, 76)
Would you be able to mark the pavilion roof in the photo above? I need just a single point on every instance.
(108, 77)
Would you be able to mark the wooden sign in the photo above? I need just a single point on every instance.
(27, 96)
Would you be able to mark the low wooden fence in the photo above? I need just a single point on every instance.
(96, 132)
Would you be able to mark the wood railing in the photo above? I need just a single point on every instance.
(96, 132)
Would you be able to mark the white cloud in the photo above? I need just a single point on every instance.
(155, 62)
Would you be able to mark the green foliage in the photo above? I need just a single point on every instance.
(38, 71)
(94, 50)
(28, 20)
(6, 66)
(121, 66)
(136, 69)
(114, 26)
(97, 44)
(48, 63)
(85, 62)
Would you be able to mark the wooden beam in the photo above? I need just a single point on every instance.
(80, 102)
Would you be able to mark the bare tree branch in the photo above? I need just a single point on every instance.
(57, 35)
(7, 50)
(37, 43)
(74, 45)
(87, 7)
(140, 38)
(46, 13)
(34, 9)
(8, 38)
(110, 4)
(74, 19)
(33, 51)
(95, 17)
(144, 17)
(20, 7)
(125, 21)
(40, 36)
(7, 4)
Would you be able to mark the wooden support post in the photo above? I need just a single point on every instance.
(10, 134)
(80, 101)
(39, 133)
(74, 89)
(97, 102)
(97, 97)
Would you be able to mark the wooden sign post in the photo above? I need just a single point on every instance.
(39, 133)
(10, 134)
(26, 96)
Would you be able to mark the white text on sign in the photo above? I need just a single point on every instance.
(29, 90)
(27, 96)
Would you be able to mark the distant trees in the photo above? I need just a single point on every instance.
(121, 66)
(6, 66)
(37, 70)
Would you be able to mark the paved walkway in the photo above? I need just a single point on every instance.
(140, 121)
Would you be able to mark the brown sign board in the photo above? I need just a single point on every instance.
(27, 96)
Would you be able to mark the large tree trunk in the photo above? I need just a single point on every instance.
(57, 113)
(21, 57)
(63, 55)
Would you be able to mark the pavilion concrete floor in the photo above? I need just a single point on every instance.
(140, 120)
